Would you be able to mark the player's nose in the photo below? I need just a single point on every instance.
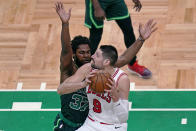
(86, 55)
(92, 57)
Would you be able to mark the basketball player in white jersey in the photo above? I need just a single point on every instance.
(107, 111)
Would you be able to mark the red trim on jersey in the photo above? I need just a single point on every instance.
(99, 122)
(115, 73)
(119, 78)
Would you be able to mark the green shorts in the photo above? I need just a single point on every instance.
(63, 124)
(114, 9)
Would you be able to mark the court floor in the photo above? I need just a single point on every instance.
(150, 110)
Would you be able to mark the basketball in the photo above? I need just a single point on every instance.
(99, 80)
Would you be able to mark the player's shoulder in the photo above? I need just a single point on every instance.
(124, 83)
(123, 77)
(121, 73)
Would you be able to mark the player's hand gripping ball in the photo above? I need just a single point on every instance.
(99, 80)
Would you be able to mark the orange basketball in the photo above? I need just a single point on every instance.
(99, 80)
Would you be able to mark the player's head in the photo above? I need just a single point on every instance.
(81, 50)
(106, 55)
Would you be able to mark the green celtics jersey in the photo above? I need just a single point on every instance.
(74, 106)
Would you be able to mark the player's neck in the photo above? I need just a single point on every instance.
(110, 69)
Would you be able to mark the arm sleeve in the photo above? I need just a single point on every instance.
(121, 110)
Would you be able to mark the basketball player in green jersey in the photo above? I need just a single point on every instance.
(74, 106)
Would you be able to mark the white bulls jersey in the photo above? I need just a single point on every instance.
(101, 105)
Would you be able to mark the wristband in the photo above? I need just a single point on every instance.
(65, 24)
(141, 39)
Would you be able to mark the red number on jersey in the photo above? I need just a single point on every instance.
(97, 106)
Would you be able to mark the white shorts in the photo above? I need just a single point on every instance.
(90, 125)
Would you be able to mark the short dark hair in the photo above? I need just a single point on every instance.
(78, 40)
(109, 52)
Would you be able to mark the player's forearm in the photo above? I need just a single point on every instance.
(96, 4)
(135, 1)
(121, 109)
(129, 54)
(69, 87)
(65, 39)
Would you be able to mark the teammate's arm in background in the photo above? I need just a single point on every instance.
(66, 62)
(144, 33)
(99, 13)
(76, 81)
(137, 5)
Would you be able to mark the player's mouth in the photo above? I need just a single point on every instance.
(87, 61)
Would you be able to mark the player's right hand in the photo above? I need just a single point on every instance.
(99, 14)
(64, 16)
(114, 91)
(137, 5)
(87, 80)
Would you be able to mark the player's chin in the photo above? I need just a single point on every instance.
(95, 67)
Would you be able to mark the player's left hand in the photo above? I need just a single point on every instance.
(137, 5)
(146, 30)
(114, 91)
(64, 16)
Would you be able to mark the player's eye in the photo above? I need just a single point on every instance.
(81, 52)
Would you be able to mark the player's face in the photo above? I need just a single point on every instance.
(97, 60)
(83, 54)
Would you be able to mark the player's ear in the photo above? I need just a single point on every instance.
(74, 57)
(106, 62)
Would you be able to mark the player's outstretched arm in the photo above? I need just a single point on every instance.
(144, 33)
(66, 52)
(76, 81)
